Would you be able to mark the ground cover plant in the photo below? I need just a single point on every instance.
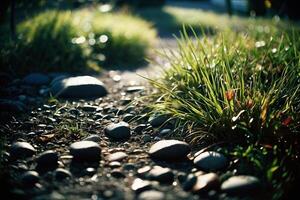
(241, 90)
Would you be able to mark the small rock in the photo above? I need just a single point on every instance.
(85, 151)
(78, 87)
(21, 150)
(36, 79)
(119, 131)
(164, 132)
(160, 174)
(140, 185)
(47, 158)
(61, 174)
(151, 195)
(241, 184)
(169, 150)
(93, 138)
(189, 182)
(211, 161)
(135, 89)
(117, 156)
(115, 164)
(206, 182)
(157, 121)
(117, 173)
(30, 178)
(143, 171)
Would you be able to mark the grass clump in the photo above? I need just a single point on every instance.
(44, 45)
(116, 39)
(55, 41)
(236, 88)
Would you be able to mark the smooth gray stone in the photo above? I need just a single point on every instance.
(21, 150)
(117, 156)
(61, 174)
(93, 137)
(78, 87)
(85, 151)
(169, 150)
(158, 120)
(161, 174)
(30, 178)
(140, 185)
(118, 131)
(211, 161)
(241, 184)
(47, 158)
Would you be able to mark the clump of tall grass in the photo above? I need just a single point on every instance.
(235, 88)
(44, 44)
(76, 41)
(116, 39)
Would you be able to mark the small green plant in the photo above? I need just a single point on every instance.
(235, 87)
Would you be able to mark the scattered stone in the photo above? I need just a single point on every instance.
(78, 87)
(21, 150)
(140, 185)
(169, 150)
(164, 132)
(151, 195)
(241, 185)
(143, 171)
(157, 121)
(117, 156)
(85, 151)
(189, 182)
(115, 164)
(93, 138)
(36, 79)
(117, 173)
(211, 161)
(160, 174)
(206, 182)
(118, 131)
(61, 174)
(132, 89)
(30, 178)
(47, 159)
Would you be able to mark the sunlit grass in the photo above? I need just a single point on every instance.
(84, 40)
(236, 88)
(121, 38)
